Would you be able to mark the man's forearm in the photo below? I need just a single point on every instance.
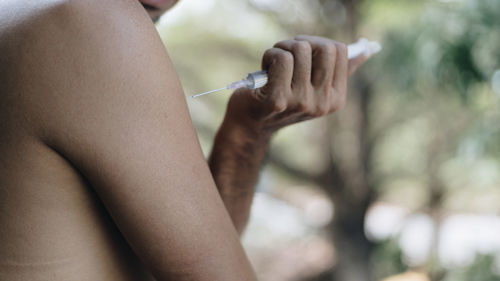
(235, 162)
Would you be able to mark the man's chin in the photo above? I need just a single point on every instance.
(155, 11)
(154, 15)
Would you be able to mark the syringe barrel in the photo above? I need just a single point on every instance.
(257, 79)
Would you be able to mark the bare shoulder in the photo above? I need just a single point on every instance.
(66, 55)
(52, 25)
(34, 16)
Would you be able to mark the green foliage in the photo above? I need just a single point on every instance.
(481, 270)
(452, 48)
(387, 259)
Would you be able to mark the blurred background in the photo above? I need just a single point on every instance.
(403, 183)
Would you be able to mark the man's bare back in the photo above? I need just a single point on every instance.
(101, 173)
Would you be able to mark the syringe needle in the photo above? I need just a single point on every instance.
(209, 92)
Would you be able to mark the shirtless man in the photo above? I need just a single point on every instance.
(101, 173)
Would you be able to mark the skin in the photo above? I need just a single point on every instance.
(102, 176)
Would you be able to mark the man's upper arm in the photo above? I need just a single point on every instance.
(110, 102)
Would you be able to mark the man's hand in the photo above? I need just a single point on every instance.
(307, 79)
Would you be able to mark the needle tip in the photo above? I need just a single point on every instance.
(209, 92)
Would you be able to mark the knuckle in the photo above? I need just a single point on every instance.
(322, 110)
(304, 106)
(282, 44)
(278, 44)
(279, 106)
(328, 49)
(301, 47)
(278, 56)
(281, 55)
(285, 57)
(339, 103)
(269, 53)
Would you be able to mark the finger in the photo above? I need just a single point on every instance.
(341, 66)
(356, 62)
(302, 55)
(323, 59)
(338, 95)
(279, 66)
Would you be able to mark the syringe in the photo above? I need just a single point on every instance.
(257, 79)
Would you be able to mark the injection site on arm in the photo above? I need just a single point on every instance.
(258, 79)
